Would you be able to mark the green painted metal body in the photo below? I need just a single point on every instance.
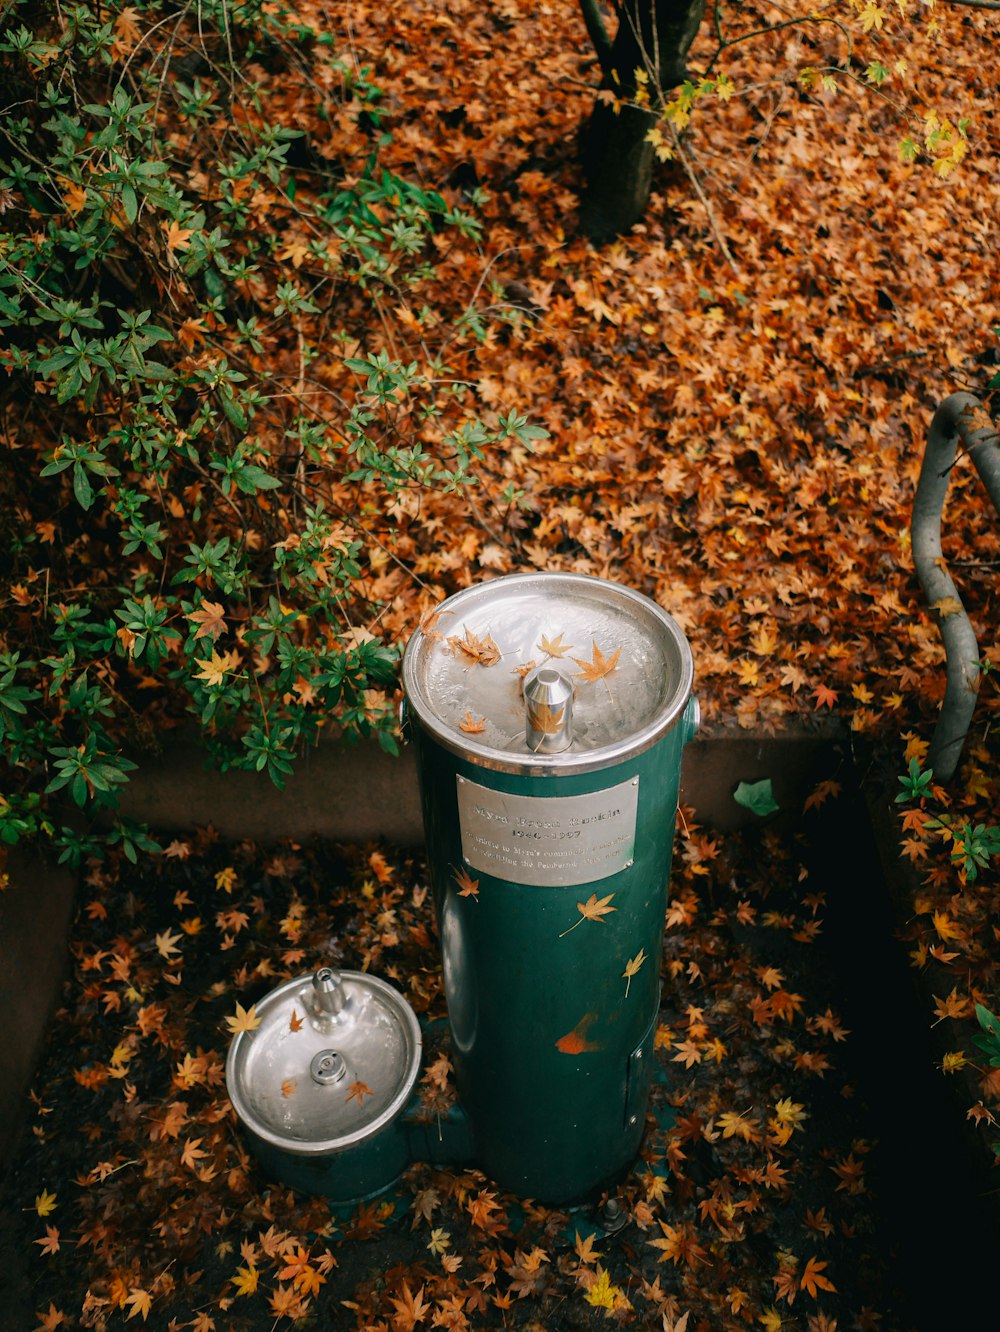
(353, 1175)
(552, 1038)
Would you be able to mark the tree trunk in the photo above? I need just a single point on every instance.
(655, 36)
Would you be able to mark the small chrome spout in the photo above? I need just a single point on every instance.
(548, 701)
(328, 992)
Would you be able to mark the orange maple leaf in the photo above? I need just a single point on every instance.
(812, 1279)
(178, 237)
(294, 1022)
(50, 1244)
(468, 886)
(471, 726)
(192, 1153)
(210, 619)
(821, 794)
(479, 651)
(599, 666)
(359, 1090)
(824, 696)
(410, 1309)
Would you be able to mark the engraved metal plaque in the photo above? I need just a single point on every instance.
(548, 841)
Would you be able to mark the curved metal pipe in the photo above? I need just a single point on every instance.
(955, 420)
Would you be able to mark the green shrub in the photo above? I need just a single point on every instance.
(201, 435)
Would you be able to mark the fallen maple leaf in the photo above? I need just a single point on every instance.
(45, 1203)
(554, 647)
(632, 966)
(245, 1280)
(213, 671)
(599, 666)
(468, 886)
(48, 1322)
(812, 1279)
(294, 1022)
(141, 1302)
(210, 619)
(824, 696)
(225, 880)
(359, 1090)
(602, 1294)
(166, 944)
(821, 793)
(192, 1153)
(410, 1309)
(50, 1244)
(480, 651)
(593, 909)
(245, 1019)
(471, 726)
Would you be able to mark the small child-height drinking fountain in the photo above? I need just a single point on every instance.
(548, 713)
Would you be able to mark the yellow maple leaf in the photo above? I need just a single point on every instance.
(945, 926)
(593, 909)
(246, 1019)
(871, 16)
(632, 966)
(225, 879)
(554, 647)
(213, 671)
(141, 1302)
(602, 1294)
(45, 1203)
(246, 1279)
(735, 1125)
(166, 943)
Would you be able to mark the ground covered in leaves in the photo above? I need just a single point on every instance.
(762, 1196)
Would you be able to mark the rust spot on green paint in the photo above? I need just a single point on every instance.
(575, 1042)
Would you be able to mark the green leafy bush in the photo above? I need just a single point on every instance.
(201, 443)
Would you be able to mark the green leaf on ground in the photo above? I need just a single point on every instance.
(756, 796)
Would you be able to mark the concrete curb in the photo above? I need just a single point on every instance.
(361, 794)
(36, 911)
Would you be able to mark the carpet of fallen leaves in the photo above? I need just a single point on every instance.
(741, 445)
(751, 1204)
